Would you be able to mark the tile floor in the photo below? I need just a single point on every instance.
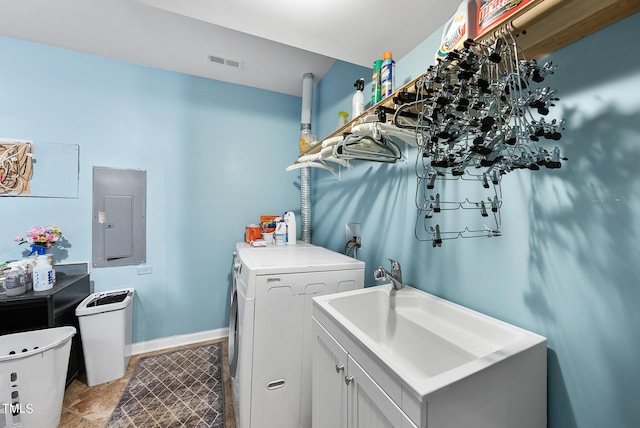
(91, 407)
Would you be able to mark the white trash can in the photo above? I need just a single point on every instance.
(105, 330)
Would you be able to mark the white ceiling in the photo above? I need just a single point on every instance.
(277, 41)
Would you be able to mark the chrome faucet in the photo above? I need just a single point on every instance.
(395, 276)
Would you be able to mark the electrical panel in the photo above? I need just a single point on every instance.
(119, 217)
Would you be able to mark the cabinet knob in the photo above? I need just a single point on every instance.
(339, 368)
(348, 379)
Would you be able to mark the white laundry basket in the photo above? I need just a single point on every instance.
(33, 372)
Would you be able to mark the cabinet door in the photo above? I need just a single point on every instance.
(369, 406)
(329, 403)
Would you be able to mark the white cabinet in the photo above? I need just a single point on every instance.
(329, 402)
(368, 405)
(344, 395)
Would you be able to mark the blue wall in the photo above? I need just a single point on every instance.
(566, 266)
(215, 155)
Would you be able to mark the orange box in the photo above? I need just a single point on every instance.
(265, 220)
(252, 233)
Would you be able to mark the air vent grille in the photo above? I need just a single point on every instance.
(228, 62)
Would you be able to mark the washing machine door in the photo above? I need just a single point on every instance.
(233, 335)
(233, 323)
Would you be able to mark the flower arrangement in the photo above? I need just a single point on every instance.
(44, 237)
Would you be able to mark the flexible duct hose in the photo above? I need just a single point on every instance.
(305, 203)
(305, 173)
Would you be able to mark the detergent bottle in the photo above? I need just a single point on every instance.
(290, 222)
(458, 29)
(281, 233)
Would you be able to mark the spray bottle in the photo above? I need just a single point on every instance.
(375, 82)
(42, 274)
(387, 75)
(357, 102)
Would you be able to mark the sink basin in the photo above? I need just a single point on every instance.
(412, 328)
(429, 345)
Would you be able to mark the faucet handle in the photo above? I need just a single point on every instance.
(379, 274)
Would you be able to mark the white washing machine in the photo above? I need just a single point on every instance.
(270, 328)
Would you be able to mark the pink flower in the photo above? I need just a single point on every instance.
(35, 231)
(41, 236)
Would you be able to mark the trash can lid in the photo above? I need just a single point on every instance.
(108, 300)
(105, 301)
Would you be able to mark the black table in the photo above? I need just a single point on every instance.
(51, 308)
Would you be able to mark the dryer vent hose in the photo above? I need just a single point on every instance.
(305, 174)
(305, 203)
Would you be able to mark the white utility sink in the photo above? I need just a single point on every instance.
(428, 345)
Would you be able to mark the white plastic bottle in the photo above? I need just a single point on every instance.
(42, 274)
(281, 233)
(290, 221)
(357, 101)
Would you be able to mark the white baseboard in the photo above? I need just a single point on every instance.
(180, 340)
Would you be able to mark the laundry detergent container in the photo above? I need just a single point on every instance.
(105, 330)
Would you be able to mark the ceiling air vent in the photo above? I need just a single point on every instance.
(217, 59)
